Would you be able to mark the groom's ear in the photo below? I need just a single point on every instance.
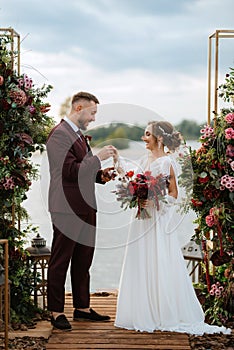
(78, 108)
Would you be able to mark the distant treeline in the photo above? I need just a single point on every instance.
(119, 134)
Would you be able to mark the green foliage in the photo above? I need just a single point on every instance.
(212, 199)
(118, 134)
(214, 302)
(24, 127)
(189, 129)
(226, 90)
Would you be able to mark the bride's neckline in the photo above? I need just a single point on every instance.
(151, 160)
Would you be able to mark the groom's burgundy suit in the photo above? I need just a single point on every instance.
(72, 205)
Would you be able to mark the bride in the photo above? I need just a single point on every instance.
(156, 292)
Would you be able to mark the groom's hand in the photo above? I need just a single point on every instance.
(108, 174)
(106, 152)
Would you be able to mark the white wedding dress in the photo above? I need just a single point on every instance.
(156, 292)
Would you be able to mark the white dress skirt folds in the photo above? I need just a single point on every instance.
(155, 291)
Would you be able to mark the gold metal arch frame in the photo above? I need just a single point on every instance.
(219, 33)
(14, 46)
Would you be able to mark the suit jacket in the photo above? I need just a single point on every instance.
(73, 172)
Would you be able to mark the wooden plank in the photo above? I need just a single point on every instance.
(117, 346)
(127, 340)
(104, 335)
(97, 333)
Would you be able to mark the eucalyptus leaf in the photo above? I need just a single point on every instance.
(203, 174)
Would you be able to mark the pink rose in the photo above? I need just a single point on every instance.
(229, 133)
(229, 118)
(210, 220)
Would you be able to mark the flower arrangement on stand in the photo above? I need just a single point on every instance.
(212, 198)
(24, 127)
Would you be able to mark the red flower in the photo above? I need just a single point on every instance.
(5, 105)
(45, 108)
(88, 138)
(130, 173)
(203, 180)
(131, 189)
(140, 188)
(196, 202)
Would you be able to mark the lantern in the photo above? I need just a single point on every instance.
(39, 255)
(193, 253)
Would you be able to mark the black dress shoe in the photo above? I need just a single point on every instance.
(61, 322)
(89, 316)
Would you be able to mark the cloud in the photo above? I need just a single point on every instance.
(151, 53)
(172, 98)
(118, 35)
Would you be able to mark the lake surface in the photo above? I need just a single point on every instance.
(112, 221)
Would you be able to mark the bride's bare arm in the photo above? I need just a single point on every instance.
(172, 189)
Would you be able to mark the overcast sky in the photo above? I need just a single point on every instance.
(149, 53)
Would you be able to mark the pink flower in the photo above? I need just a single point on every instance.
(229, 118)
(210, 220)
(230, 151)
(32, 109)
(229, 133)
(9, 183)
(25, 82)
(232, 165)
(228, 182)
(208, 132)
(196, 202)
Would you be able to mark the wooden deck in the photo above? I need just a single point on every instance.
(104, 335)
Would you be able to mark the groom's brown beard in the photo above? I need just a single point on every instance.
(82, 126)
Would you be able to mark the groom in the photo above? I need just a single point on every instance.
(72, 205)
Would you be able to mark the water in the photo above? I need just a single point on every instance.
(112, 221)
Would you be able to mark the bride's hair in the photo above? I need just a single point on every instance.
(171, 138)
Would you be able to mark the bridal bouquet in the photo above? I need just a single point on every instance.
(132, 191)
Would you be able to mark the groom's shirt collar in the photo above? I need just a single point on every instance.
(72, 125)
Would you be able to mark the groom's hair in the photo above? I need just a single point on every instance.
(84, 96)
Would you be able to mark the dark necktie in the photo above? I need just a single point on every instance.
(82, 140)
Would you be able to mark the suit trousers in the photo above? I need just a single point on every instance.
(73, 242)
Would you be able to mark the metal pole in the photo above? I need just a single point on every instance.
(216, 74)
(209, 80)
